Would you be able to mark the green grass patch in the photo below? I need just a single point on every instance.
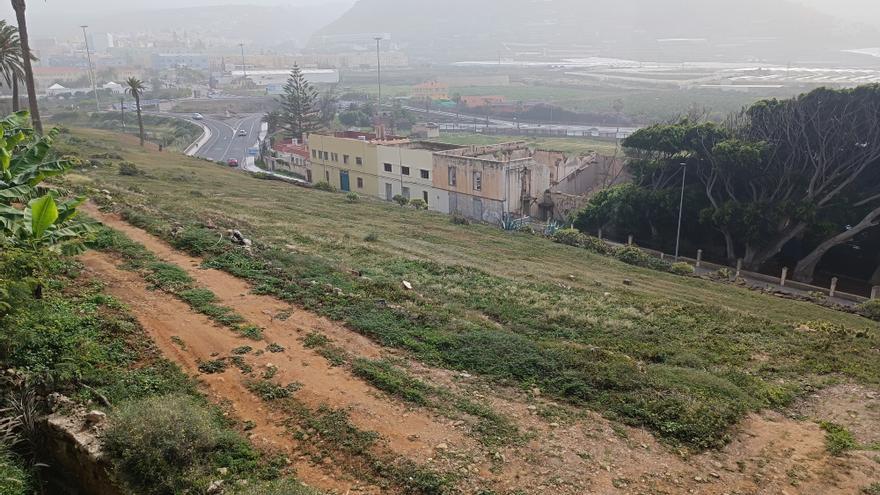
(838, 440)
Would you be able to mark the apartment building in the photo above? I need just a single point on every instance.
(349, 161)
(486, 183)
(407, 169)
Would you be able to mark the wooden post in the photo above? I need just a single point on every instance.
(600, 234)
(739, 268)
(699, 257)
(875, 292)
(784, 276)
(833, 290)
(629, 241)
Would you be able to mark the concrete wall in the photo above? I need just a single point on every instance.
(417, 160)
(328, 158)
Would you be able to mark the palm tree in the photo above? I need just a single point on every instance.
(19, 6)
(11, 67)
(135, 87)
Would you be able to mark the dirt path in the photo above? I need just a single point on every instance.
(582, 454)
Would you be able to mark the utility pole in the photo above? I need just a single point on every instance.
(91, 76)
(378, 77)
(122, 109)
(243, 66)
(680, 209)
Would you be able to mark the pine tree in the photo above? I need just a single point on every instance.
(299, 111)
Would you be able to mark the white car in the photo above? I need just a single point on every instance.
(198, 116)
(242, 132)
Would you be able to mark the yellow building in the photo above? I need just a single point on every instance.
(431, 90)
(347, 160)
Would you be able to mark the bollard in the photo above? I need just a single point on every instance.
(662, 256)
(699, 257)
(875, 292)
(600, 234)
(629, 241)
(784, 276)
(833, 287)
(739, 268)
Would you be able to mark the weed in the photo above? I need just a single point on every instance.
(213, 366)
(241, 364)
(873, 489)
(384, 376)
(245, 349)
(838, 439)
(371, 237)
(252, 332)
(276, 348)
(270, 391)
(315, 340)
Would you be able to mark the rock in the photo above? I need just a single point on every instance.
(95, 417)
(532, 408)
(607, 294)
(441, 446)
(222, 471)
(627, 281)
(215, 488)
(536, 391)
(554, 425)
(407, 285)
(57, 401)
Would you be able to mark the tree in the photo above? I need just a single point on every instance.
(135, 87)
(11, 65)
(26, 56)
(327, 107)
(299, 114)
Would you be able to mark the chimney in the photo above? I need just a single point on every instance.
(380, 132)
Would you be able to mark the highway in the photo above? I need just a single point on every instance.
(225, 143)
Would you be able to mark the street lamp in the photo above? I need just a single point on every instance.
(91, 76)
(378, 77)
(243, 66)
(680, 209)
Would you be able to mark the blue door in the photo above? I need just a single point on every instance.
(343, 181)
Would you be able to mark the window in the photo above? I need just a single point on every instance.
(425, 196)
(315, 154)
(478, 181)
(326, 155)
(388, 167)
(452, 178)
(360, 182)
(358, 160)
(345, 159)
(334, 157)
(404, 170)
(426, 174)
(406, 192)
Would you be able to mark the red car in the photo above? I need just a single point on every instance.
(232, 162)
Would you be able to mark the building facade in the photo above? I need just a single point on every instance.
(407, 169)
(489, 183)
(349, 161)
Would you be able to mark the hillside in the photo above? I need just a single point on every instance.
(640, 29)
(511, 362)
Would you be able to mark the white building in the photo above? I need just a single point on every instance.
(274, 80)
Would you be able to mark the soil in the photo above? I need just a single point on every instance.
(568, 451)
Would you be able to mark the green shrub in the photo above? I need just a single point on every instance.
(159, 445)
(569, 237)
(871, 309)
(874, 489)
(325, 186)
(352, 197)
(129, 169)
(838, 439)
(419, 204)
(459, 219)
(371, 237)
(682, 268)
(14, 479)
(400, 199)
(277, 487)
(632, 255)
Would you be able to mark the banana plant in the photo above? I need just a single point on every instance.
(45, 224)
(25, 160)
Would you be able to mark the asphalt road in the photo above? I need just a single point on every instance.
(225, 143)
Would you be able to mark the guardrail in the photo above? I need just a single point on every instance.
(197, 145)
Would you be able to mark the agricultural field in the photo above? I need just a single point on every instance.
(417, 355)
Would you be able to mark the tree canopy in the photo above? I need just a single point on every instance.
(299, 113)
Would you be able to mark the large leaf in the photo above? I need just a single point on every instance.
(33, 174)
(44, 212)
(18, 194)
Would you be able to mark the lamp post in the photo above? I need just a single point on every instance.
(243, 66)
(680, 209)
(91, 76)
(378, 77)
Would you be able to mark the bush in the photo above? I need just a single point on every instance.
(14, 479)
(325, 186)
(159, 445)
(352, 197)
(371, 237)
(128, 168)
(632, 255)
(569, 237)
(682, 268)
(838, 439)
(459, 219)
(277, 487)
(419, 204)
(401, 200)
(871, 309)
